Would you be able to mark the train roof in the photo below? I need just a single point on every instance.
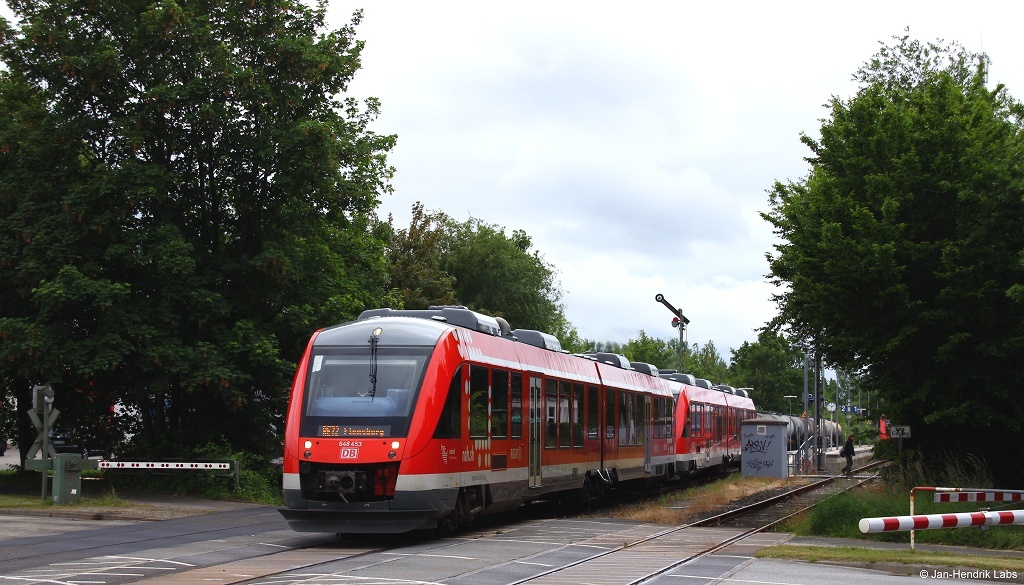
(537, 339)
(426, 326)
(455, 315)
(679, 377)
(394, 332)
(460, 316)
(619, 361)
(644, 368)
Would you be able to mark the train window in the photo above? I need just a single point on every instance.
(642, 416)
(696, 419)
(478, 400)
(655, 418)
(609, 414)
(517, 405)
(661, 418)
(564, 413)
(666, 420)
(499, 403)
(451, 413)
(577, 415)
(351, 393)
(593, 425)
(624, 419)
(551, 413)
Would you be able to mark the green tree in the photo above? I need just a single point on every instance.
(186, 194)
(652, 350)
(440, 261)
(501, 275)
(773, 368)
(901, 252)
(568, 335)
(705, 362)
(414, 261)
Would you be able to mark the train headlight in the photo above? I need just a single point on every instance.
(307, 454)
(394, 444)
(392, 454)
(307, 445)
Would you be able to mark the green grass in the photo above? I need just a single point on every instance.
(17, 493)
(258, 482)
(814, 554)
(839, 516)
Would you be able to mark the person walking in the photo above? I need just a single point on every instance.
(848, 453)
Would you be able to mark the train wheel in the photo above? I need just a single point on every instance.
(594, 489)
(468, 505)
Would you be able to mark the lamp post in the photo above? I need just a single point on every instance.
(790, 397)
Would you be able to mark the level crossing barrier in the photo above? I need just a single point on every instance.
(949, 494)
(1003, 496)
(934, 521)
(67, 471)
(229, 465)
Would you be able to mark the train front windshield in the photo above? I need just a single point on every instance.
(352, 392)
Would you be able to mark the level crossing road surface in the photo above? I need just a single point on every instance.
(181, 541)
(252, 544)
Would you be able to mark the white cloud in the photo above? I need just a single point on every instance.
(634, 143)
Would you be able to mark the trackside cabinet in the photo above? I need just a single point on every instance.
(67, 478)
(763, 442)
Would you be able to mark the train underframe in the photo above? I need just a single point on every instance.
(343, 499)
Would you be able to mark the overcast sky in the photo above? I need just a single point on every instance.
(633, 141)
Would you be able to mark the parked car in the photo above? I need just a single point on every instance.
(67, 441)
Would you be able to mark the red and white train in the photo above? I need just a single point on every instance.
(410, 419)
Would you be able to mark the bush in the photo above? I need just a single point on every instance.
(258, 479)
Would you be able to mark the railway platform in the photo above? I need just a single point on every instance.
(834, 463)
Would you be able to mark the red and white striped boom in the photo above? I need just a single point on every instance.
(934, 521)
(986, 496)
(161, 465)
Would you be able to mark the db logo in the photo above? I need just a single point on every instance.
(349, 453)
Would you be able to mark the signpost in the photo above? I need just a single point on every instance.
(900, 432)
(42, 415)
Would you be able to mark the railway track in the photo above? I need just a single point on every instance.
(519, 550)
(747, 520)
(768, 512)
(562, 551)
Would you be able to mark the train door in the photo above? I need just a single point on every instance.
(708, 433)
(609, 444)
(536, 437)
(647, 422)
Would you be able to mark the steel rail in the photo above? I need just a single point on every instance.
(712, 519)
